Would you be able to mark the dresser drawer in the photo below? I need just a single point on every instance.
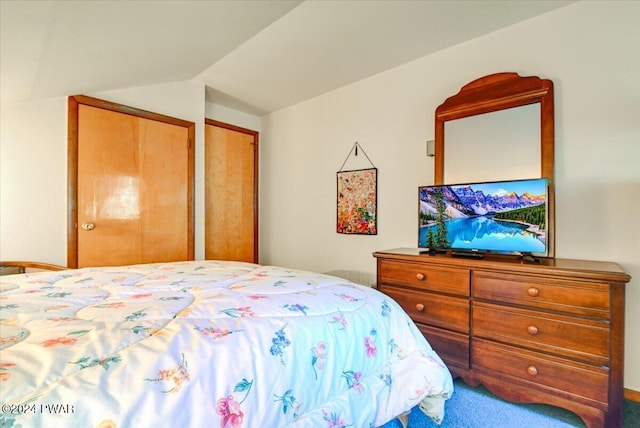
(452, 347)
(432, 309)
(420, 276)
(565, 376)
(584, 339)
(585, 298)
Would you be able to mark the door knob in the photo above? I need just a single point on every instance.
(88, 226)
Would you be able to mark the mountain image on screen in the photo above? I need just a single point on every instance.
(507, 216)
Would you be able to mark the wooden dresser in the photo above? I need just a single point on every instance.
(549, 332)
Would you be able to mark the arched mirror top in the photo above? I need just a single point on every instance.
(496, 92)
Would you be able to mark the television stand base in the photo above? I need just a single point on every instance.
(432, 251)
(526, 257)
(467, 254)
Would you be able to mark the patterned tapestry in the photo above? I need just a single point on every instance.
(357, 202)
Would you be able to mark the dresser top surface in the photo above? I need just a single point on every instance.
(608, 271)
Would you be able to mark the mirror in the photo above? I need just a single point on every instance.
(475, 144)
(509, 116)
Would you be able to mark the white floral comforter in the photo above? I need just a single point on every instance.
(208, 344)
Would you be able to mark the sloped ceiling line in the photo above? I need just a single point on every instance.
(256, 56)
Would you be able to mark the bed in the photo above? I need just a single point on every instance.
(209, 343)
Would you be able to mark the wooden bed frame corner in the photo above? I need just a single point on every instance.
(11, 267)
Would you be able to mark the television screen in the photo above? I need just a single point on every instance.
(502, 217)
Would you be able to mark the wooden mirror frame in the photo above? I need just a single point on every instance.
(496, 92)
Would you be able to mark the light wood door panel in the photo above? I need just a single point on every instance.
(133, 184)
(163, 173)
(230, 192)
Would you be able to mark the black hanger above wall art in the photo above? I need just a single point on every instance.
(354, 152)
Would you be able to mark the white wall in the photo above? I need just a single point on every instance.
(588, 49)
(33, 182)
(233, 117)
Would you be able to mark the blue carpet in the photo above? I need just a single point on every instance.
(478, 408)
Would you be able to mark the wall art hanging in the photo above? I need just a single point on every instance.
(357, 198)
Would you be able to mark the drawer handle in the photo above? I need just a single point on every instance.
(533, 291)
(420, 276)
(420, 307)
(532, 370)
(532, 330)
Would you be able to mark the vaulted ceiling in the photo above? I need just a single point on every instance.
(257, 56)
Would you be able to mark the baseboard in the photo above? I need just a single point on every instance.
(630, 394)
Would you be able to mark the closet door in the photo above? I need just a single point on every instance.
(231, 192)
(133, 187)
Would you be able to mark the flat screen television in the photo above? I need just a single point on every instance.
(501, 217)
